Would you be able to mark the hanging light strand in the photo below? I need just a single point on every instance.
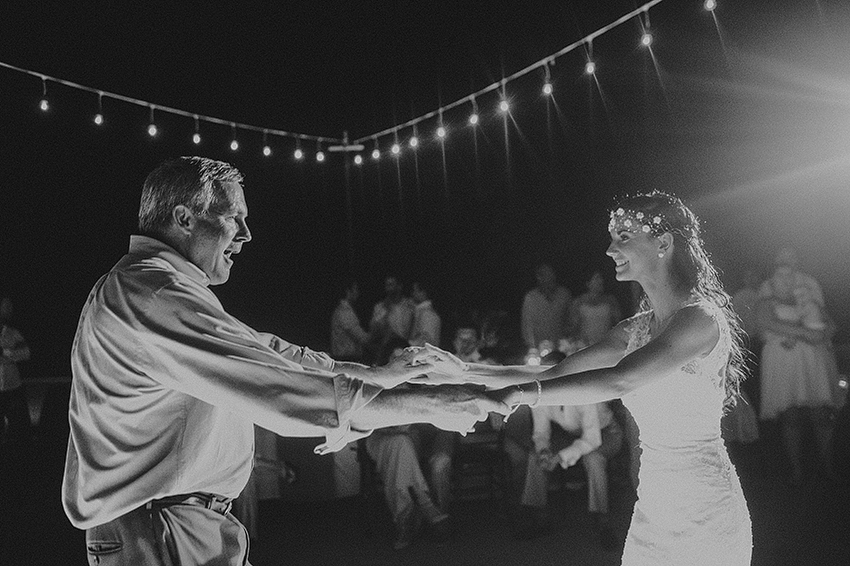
(499, 84)
(144, 103)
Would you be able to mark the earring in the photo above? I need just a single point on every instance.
(660, 254)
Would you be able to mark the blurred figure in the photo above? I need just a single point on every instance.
(348, 339)
(396, 452)
(14, 415)
(585, 433)
(545, 310)
(594, 312)
(799, 373)
(426, 321)
(745, 302)
(392, 316)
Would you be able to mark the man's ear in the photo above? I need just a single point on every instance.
(184, 219)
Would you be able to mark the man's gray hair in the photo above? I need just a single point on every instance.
(194, 182)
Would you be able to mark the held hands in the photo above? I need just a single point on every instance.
(446, 367)
(407, 366)
(458, 408)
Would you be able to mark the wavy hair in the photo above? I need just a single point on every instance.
(693, 270)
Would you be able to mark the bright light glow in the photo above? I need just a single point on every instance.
(710, 5)
(473, 119)
(267, 151)
(98, 119)
(299, 154)
(376, 154)
(646, 39)
(441, 132)
(590, 68)
(414, 142)
(320, 156)
(43, 105)
(358, 159)
(152, 130)
(504, 106)
(234, 145)
(196, 139)
(396, 149)
(547, 89)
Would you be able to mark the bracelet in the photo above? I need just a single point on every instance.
(539, 393)
(515, 406)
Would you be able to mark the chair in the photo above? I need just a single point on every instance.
(480, 468)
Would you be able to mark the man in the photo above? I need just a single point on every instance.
(392, 316)
(426, 321)
(167, 386)
(545, 310)
(347, 336)
(584, 433)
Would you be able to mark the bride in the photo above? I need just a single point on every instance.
(676, 365)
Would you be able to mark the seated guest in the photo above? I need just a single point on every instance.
(396, 452)
(584, 433)
(347, 335)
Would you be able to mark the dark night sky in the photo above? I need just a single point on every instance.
(749, 122)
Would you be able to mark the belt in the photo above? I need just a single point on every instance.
(211, 501)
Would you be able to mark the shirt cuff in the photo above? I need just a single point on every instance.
(351, 396)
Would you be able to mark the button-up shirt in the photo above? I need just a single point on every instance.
(166, 388)
(347, 336)
(544, 318)
(426, 325)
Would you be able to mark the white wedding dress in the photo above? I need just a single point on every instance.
(690, 509)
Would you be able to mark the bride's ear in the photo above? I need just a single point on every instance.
(665, 243)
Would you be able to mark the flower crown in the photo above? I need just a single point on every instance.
(636, 220)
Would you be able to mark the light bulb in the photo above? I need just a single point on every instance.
(710, 5)
(376, 154)
(590, 68)
(196, 139)
(152, 130)
(473, 119)
(44, 105)
(299, 154)
(234, 145)
(358, 159)
(504, 106)
(98, 119)
(547, 88)
(414, 142)
(320, 156)
(396, 149)
(267, 150)
(441, 132)
(646, 39)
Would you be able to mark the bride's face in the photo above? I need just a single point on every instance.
(634, 253)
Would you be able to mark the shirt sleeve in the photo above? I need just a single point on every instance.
(542, 428)
(591, 434)
(192, 345)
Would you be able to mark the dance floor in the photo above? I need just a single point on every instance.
(802, 525)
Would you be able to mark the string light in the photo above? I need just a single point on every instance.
(473, 118)
(234, 145)
(646, 39)
(441, 132)
(43, 104)
(267, 151)
(152, 129)
(710, 5)
(196, 137)
(320, 155)
(504, 106)
(414, 139)
(98, 118)
(396, 149)
(590, 67)
(376, 153)
(547, 81)
(358, 159)
(298, 154)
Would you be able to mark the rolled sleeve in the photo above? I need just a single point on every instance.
(351, 396)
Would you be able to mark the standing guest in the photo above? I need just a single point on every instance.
(799, 373)
(745, 302)
(348, 339)
(167, 386)
(392, 316)
(426, 321)
(545, 310)
(13, 403)
(676, 365)
(594, 312)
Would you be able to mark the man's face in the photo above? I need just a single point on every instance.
(219, 234)
(392, 287)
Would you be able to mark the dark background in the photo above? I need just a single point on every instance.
(747, 117)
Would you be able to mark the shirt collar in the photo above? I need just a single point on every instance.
(151, 247)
